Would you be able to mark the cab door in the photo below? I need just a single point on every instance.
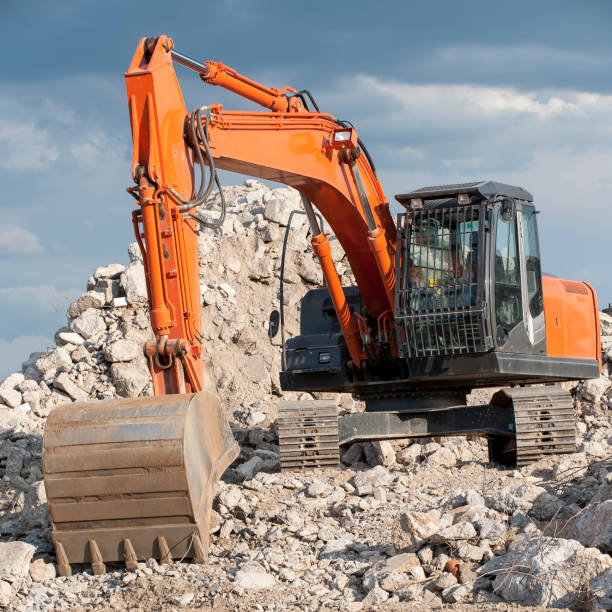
(531, 275)
(518, 307)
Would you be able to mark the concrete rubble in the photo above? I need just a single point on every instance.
(420, 525)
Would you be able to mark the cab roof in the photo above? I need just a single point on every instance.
(446, 195)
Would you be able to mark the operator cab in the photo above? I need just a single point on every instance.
(470, 275)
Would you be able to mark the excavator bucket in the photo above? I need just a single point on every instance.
(133, 479)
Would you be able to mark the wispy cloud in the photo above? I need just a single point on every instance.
(25, 146)
(16, 240)
(38, 297)
(472, 99)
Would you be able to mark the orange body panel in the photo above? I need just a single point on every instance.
(572, 319)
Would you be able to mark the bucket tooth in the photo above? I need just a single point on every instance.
(199, 554)
(165, 558)
(137, 477)
(63, 566)
(131, 562)
(97, 565)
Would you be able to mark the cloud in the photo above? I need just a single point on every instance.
(25, 146)
(474, 100)
(37, 297)
(33, 310)
(15, 240)
(14, 352)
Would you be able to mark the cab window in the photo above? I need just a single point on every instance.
(508, 304)
(532, 262)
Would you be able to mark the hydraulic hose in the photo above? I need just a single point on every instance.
(198, 134)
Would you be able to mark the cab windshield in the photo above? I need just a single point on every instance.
(444, 259)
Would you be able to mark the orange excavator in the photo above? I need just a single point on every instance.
(448, 297)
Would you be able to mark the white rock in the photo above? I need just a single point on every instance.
(70, 338)
(227, 290)
(111, 271)
(65, 384)
(443, 457)
(278, 210)
(592, 527)
(28, 385)
(49, 363)
(121, 350)
(10, 397)
(416, 530)
(390, 573)
(89, 323)
(10, 418)
(120, 302)
(6, 593)
(515, 497)
(135, 284)
(129, 379)
(255, 418)
(455, 594)
(15, 560)
(10, 382)
(254, 576)
(375, 596)
(41, 571)
(318, 489)
(409, 455)
(380, 452)
(594, 388)
(365, 482)
(91, 299)
(552, 571)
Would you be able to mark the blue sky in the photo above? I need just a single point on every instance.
(440, 91)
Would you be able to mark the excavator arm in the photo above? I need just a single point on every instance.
(310, 151)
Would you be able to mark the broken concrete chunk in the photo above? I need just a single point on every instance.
(91, 299)
(113, 270)
(15, 560)
(41, 571)
(121, 350)
(129, 379)
(10, 397)
(135, 284)
(65, 384)
(12, 381)
(89, 323)
(254, 576)
(416, 529)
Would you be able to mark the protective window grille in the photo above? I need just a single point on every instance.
(439, 301)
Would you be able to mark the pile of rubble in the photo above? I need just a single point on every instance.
(423, 523)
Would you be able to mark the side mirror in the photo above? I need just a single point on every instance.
(273, 324)
(508, 208)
